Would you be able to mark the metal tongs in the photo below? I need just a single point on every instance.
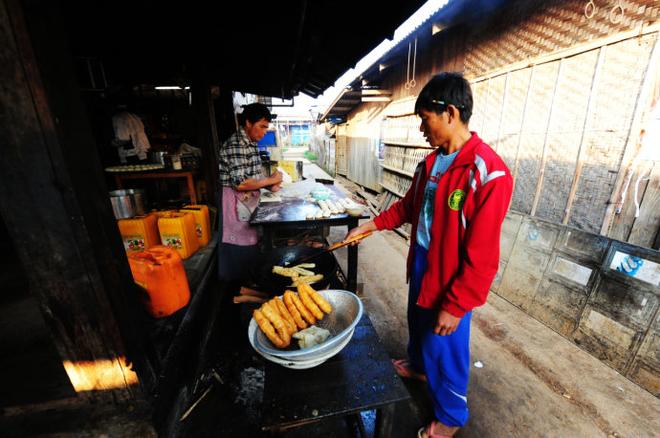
(330, 248)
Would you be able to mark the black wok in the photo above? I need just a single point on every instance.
(273, 284)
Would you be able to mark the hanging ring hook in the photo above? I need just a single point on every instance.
(590, 9)
(616, 13)
(412, 80)
(407, 85)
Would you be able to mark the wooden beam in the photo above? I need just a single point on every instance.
(207, 130)
(376, 92)
(55, 204)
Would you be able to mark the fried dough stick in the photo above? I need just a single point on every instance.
(279, 306)
(277, 322)
(318, 298)
(308, 302)
(291, 307)
(267, 328)
(307, 316)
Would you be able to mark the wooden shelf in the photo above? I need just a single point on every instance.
(407, 145)
(391, 190)
(395, 170)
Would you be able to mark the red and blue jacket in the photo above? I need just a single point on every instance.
(471, 201)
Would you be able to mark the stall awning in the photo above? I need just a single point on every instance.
(271, 48)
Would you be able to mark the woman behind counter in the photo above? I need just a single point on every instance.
(241, 177)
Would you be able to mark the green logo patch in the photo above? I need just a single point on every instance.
(456, 199)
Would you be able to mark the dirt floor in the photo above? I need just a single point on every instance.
(533, 382)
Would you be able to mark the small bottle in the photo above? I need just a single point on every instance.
(176, 162)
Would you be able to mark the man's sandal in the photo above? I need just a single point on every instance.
(427, 432)
(404, 369)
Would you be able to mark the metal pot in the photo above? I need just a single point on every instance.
(273, 284)
(127, 203)
(157, 157)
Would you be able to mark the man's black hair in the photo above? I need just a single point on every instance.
(444, 89)
(254, 112)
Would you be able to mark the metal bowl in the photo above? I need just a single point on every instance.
(346, 312)
(298, 364)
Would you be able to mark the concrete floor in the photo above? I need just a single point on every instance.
(533, 381)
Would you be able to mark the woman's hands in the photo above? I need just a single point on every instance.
(368, 226)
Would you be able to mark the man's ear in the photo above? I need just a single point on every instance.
(453, 113)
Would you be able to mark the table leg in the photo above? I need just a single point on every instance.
(352, 260)
(191, 189)
(384, 418)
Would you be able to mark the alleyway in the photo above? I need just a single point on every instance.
(533, 381)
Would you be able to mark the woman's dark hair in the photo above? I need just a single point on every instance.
(444, 89)
(254, 112)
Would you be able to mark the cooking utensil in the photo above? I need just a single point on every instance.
(127, 203)
(266, 281)
(331, 248)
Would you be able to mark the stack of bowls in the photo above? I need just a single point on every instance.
(346, 312)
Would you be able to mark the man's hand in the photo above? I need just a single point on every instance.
(447, 323)
(369, 226)
(276, 177)
(275, 187)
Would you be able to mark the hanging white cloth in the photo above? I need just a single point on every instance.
(129, 127)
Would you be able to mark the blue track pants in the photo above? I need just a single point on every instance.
(444, 359)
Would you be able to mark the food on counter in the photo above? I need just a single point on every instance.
(311, 336)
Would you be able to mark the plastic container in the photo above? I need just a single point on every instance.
(159, 271)
(139, 233)
(177, 231)
(202, 222)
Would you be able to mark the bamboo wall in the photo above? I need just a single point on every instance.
(562, 98)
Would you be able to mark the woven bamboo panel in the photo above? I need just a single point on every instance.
(508, 145)
(479, 97)
(623, 69)
(562, 149)
(526, 31)
(573, 90)
(565, 133)
(362, 161)
(539, 101)
(621, 77)
(529, 165)
(516, 95)
(493, 110)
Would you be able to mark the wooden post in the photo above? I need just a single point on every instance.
(55, 204)
(207, 131)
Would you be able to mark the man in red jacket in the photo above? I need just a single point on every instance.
(456, 204)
